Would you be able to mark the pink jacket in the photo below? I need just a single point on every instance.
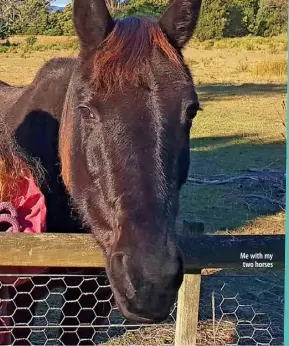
(30, 208)
(31, 216)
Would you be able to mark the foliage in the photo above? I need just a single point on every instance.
(241, 18)
(218, 19)
(150, 8)
(4, 29)
(272, 17)
(31, 40)
(213, 19)
(65, 20)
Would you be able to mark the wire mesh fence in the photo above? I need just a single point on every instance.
(77, 308)
(242, 310)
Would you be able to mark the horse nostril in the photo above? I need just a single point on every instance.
(131, 291)
(120, 270)
(117, 259)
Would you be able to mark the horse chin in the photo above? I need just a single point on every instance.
(144, 293)
(140, 319)
(123, 307)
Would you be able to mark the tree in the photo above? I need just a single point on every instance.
(272, 17)
(66, 21)
(53, 27)
(33, 18)
(114, 4)
(151, 8)
(218, 18)
(241, 18)
(213, 19)
(9, 13)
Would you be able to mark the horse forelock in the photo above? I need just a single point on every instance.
(125, 57)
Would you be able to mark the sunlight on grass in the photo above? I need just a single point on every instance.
(247, 43)
(271, 68)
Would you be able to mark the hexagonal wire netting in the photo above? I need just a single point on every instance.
(77, 308)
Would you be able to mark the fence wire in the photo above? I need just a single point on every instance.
(77, 308)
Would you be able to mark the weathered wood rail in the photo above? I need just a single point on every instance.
(200, 251)
(81, 250)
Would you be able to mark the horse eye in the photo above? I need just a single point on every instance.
(86, 113)
(192, 110)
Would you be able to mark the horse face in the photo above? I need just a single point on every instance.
(125, 147)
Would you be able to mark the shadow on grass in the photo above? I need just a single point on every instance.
(245, 302)
(217, 91)
(223, 207)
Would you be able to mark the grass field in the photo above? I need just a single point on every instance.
(241, 127)
(242, 88)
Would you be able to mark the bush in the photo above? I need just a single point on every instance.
(4, 49)
(31, 40)
(4, 30)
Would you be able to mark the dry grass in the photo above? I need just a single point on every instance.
(229, 66)
(164, 335)
(44, 40)
(276, 68)
(21, 45)
(247, 43)
(268, 224)
(20, 69)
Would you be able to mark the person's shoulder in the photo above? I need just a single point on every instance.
(26, 188)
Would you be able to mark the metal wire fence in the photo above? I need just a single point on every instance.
(77, 308)
(242, 310)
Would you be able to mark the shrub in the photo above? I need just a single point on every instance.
(31, 40)
(4, 30)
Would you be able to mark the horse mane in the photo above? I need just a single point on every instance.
(124, 58)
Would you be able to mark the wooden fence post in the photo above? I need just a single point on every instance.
(189, 297)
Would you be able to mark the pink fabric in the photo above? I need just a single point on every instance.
(31, 209)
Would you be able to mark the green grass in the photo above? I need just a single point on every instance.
(231, 135)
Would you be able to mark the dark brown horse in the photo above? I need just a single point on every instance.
(117, 121)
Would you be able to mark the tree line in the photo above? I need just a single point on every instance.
(219, 18)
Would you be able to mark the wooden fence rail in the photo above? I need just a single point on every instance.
(81, 250)
(200, 251)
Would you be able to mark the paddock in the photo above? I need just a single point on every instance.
(236, 305)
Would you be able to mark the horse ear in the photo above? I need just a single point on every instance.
(92, 22)
(180, 20)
